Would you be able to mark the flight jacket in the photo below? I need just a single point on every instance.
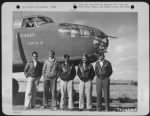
(87, 74)
(32, 71)
(105, 71)
(50, 69)
(67, 72)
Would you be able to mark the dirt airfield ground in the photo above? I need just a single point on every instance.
(123, 95)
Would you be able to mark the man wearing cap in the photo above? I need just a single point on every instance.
(86, 74)
(67, 74)
(50, 75)
(103, 71)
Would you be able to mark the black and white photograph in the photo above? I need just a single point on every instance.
(67, 61)
(76, 35)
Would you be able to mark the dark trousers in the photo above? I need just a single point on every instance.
(50, 88)
(102, 84)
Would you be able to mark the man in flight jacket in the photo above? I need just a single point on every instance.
(67, 74)
(86, 74)
(103, 71)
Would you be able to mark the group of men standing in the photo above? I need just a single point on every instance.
(51, 70)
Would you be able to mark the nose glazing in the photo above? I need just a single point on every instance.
(100, 45)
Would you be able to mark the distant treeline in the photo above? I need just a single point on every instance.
(112, 82)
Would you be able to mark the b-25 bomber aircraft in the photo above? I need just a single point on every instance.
(41, 33)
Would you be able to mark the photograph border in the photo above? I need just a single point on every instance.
(141, 8)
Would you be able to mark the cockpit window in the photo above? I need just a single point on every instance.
(64, 28)
(75, 30)
(75, 33)
(28, 23)
(35, 22)
(39, 21)
(46, 19)
(69, 29)
(84, 31)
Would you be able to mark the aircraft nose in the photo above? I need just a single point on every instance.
(100, 45)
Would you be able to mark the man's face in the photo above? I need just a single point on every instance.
(66, 59)
(51, 54)
(101, 57)
(35, 57)
(84, 59)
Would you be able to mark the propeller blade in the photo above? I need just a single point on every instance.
(107, 36)
(112, 37)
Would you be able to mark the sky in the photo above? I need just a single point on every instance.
(122, 52)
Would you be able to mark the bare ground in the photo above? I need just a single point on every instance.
(123, 97)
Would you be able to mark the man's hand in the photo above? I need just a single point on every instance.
(26, 75)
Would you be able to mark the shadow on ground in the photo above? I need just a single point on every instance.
(18, 98)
